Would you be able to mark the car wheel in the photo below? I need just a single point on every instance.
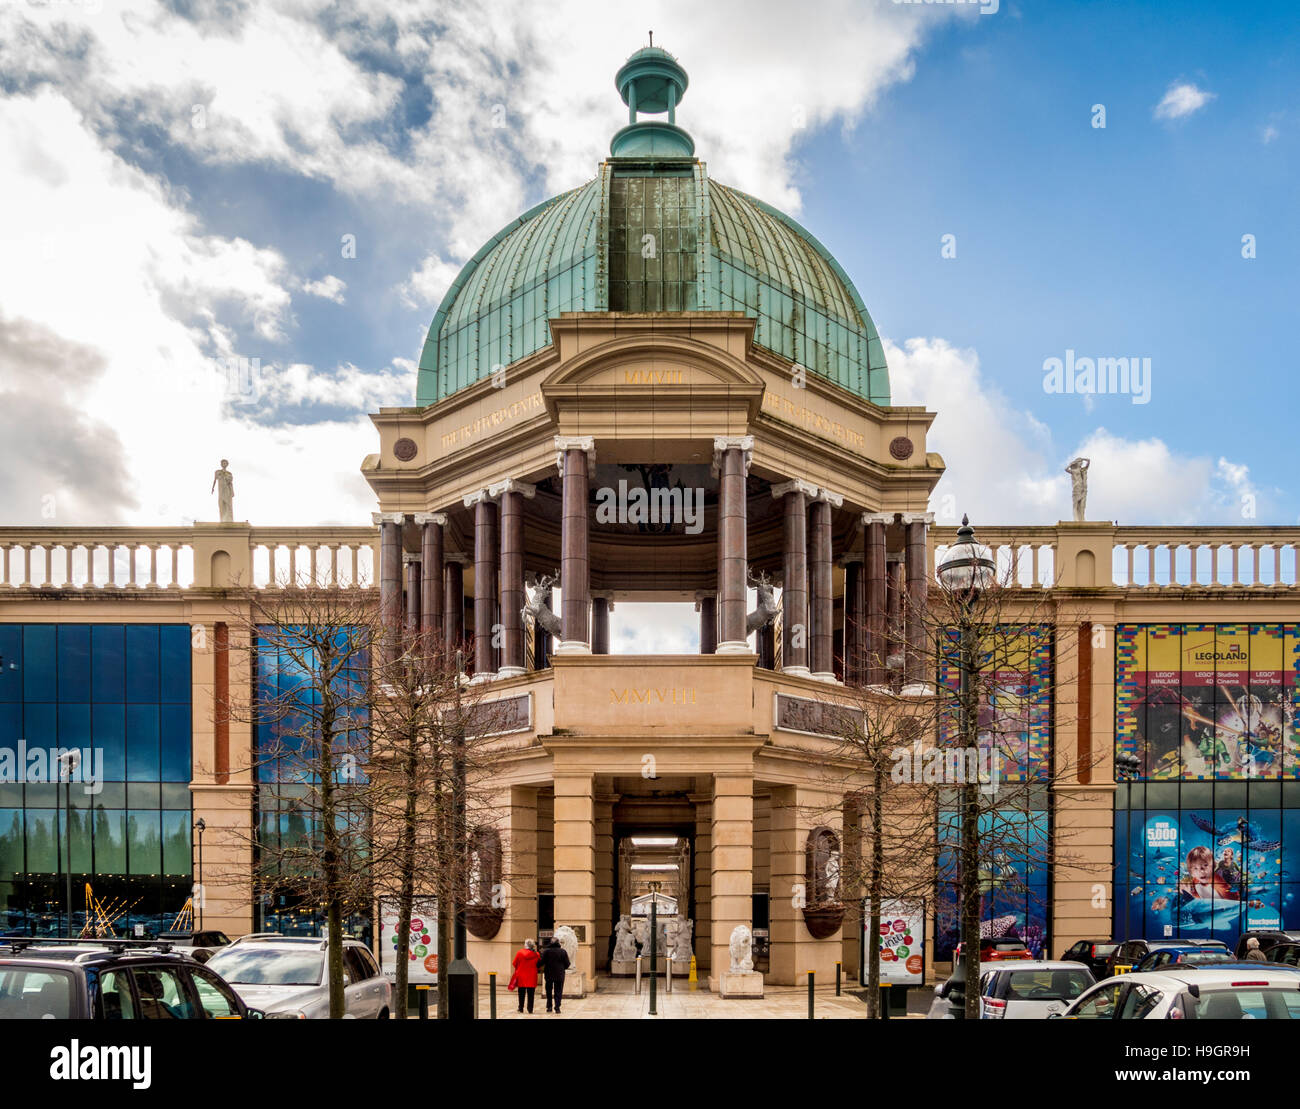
(383, 1014)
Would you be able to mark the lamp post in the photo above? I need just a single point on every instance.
(68, 763)
(1127, 767)
(199, 892)
(965, 572)
(654, 943)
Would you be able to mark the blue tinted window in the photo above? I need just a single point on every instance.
(11, 845)
(142, 662)
(174, 663)
(107, 663)
(11, 725)
(144, 834)
(74, 662)
(109, 733)
(11, 657)
(110, 841)
(142, 743)
(39, 725)
(74, 726)
(175, 734)
(42, 853)
(38, 662)
(176, 842)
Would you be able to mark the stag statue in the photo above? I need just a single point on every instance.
(536, 609)
(767, 608)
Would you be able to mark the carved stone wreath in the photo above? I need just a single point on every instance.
(405, 450)
(901, 447)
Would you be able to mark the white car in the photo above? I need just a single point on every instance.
(1246, 991)
(287, 976)
(1031, 989)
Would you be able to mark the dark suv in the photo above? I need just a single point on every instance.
(1131, 952)
(110, 980)
(1267, 937)
(199, 946)
(1093, 954)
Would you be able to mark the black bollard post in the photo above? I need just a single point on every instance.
(810, 995)
(492, 995)
(423, 993)
(884, 1000)
(839, 970)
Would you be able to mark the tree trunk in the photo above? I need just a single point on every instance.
(877, 888)
(442, 825)
(406, 864)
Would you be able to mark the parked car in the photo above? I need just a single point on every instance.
(1183, 955)
(287, 976)
(1031, 989)
(1268, 939)
(995, 949)
(1131, 952)
(1284, 954)
(199, 946)
(1092, 954)
(107, 980)
(1247, 992)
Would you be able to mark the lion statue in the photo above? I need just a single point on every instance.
(742, 950)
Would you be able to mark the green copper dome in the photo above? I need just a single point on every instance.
(652, 233)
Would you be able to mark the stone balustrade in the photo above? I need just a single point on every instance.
(178, 558)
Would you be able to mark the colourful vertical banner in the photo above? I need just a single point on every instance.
(1160, 753)
(1262, 752)
(1291, 703)
(1130, 686)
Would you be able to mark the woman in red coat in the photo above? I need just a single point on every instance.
(525, 965)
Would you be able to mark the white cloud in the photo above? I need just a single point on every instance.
(1268, 134)
(328, 287)
(429, 284)
(1005, 467)
(1181, 99)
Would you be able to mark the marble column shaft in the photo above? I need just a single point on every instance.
(876, 568)
(431, 578)
(453, 613)
(819, 550)
(512, 581)
(732, 554)
(708, 604)
(485, 584)
(600, 607)
(390, 583)
(917, 591)
(575, 569)
(794, 596)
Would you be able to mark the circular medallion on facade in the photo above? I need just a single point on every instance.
(405, 449)
(901, 447)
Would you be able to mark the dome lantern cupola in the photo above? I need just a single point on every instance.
(651, 81)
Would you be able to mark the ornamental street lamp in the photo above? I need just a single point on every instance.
(1127, 767)
(966, 571)
(199, 892)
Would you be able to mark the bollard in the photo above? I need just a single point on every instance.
(839, 967)
(492, 995)
(884, 1000)
(637, 989)
(423, 991)
(692, 977)
(810, 994)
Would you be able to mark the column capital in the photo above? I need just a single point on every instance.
(388, 517)
(604, 595)
(574, 443)
(458, 557)
(704, 595)
(471, 500)
(833, 499)
(721, 443)
(408, 558)
(851, 556)
(917, 517)
(885, 518)
(795, 485)
(439, 518)
(511, 485)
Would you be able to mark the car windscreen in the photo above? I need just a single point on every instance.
(28, 993)
(1204, 958)
(264, 966)
(1246, 1003)
(1104, 949)
(1004, 945)
(1046, 985)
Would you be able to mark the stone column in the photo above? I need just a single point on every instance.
(575, 863)
(512, 494)
(706, 604)
(413, 595)
(453, 607)
(794, 594)
(606, 914)
(731, 458)
(796, 810)
(390, 578)
(732, 873)
(602, 604)
(766, 647)
(486, 553)
(822, 606)
(917, 589)
(876, 646)
(431, 575)
(702, 867)
(517, 806)
(575, 456)
(894, 587)
(855, 620)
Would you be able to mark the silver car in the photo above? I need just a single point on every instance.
(287, 976)
(1031, 989)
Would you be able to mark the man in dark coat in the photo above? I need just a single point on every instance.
(554, 962)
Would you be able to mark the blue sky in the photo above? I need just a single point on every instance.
(187, 178)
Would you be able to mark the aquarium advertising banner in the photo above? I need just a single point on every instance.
(1204, 702)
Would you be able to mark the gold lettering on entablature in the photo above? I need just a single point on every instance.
(654, 377)
(786, 409)
(490, 420)
(667, 695)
